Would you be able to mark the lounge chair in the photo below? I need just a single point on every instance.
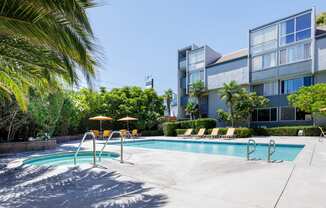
(229, 134)
(106, 133)
(134, 133)
(201, 133)
(96, 133)
(214, 133)
(322, 132)
(124, 132)
(187, 133)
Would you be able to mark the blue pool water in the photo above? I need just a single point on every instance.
(66, 158)
(283, 152)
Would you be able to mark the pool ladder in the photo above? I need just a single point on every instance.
(271, 149)
(251, 148)
(81, 142)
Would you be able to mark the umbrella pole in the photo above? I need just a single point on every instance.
(121, 148)
(94, 152)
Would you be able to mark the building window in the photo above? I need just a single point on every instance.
(295, 53)
(259, 89)
(263, 40)
(271, 88)
(264, 61)
(292, 85)
(287, 114)
(195, 76)
(296, 29)
(264, 114)
(196, 59)
(302, 116)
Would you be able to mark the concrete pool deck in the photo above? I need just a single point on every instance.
(162, 178)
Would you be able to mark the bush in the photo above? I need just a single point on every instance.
(287, 131)
(240, 132)
(169, 128)
(152, 133)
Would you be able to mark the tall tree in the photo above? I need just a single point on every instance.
(229, 93)
(309, 99)
(42, 42)
(195, 91)
(168, 98)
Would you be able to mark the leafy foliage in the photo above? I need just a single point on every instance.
(42, 44)
(241, 103)
(192, 109)
(309, 99)
(168, 98)
(321, 19)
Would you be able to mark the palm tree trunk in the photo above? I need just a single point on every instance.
(231, 112)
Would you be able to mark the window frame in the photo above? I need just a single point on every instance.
(280, 35)
(286, 49)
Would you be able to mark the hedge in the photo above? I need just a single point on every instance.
(287, 131)
(169, 128)
(239, 132)
(279, 131)
(152, 133)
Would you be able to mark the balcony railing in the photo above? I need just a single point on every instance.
(182, 65)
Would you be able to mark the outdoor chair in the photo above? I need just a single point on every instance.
(106, 133)
(214, 133)
(229, 134)
(187, 133)
(96, 133)
(134, 133)
(201, 133)
(322, 132)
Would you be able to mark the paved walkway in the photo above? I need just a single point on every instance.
(160, 178)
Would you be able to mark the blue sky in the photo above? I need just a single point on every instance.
(140, 38)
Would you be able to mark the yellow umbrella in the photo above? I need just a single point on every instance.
(100, 118)
(127, 119)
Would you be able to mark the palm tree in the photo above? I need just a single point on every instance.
(168, 98)
(43, 43)
(229, 93)
(192, 109)
(195, 91)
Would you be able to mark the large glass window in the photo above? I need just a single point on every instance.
(271, 88)
(264, 39)
(287, 113)
(264, 114)
(259, 89)
(295, 53)
(196, 76)
(196, 59)
(296, 29)
(292, 85)
(264, 61)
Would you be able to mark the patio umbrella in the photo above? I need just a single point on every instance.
(100, 118)
(127, 119)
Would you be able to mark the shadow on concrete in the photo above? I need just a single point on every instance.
(73, 187)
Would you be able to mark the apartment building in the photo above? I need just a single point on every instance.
(281, 57)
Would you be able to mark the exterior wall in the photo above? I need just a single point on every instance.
(320, 54)
(236, 70)
(286, 71)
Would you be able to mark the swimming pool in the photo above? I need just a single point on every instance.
(67, 158)
(283, 151)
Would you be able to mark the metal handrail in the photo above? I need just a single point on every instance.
(250, 151)
(106, 142)
(81, 142)
(271, 149)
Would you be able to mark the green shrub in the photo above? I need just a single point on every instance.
(205, 123)
(152, 133)
(287, 131)
(243, 132)
(180, 131)
(169, 128)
